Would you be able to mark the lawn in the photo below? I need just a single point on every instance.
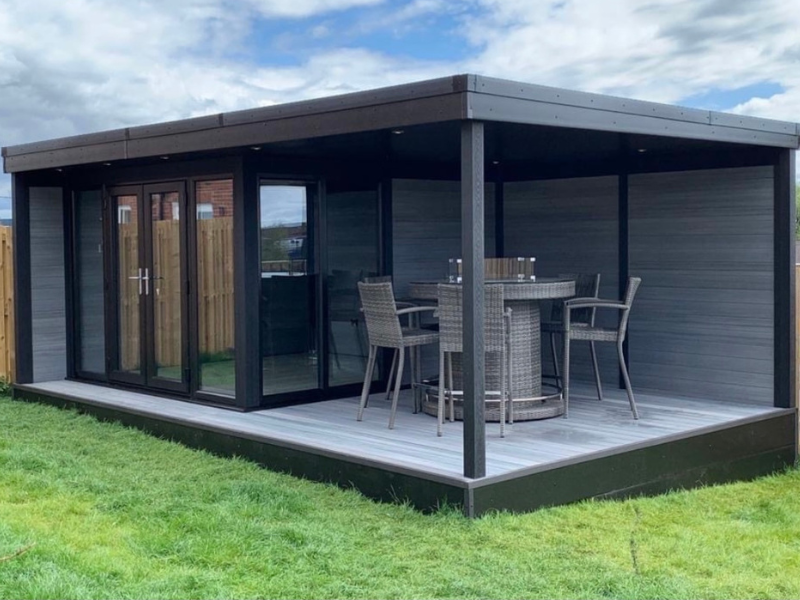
(109, 512)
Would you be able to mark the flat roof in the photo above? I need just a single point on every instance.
(452, 98)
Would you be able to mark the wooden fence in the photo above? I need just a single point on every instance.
(214, 290)
(7, 354)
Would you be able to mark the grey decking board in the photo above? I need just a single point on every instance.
(330, 427)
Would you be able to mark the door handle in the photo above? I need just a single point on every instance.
(139, 277)
(147, 282)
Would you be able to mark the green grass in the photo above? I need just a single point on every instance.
(114, 513)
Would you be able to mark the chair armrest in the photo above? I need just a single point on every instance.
(576, 303)
(415, 309)
(404, 304)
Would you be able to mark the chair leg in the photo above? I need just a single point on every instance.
(412, 350)
(440, 403)
(565, 376)
(503, 394)
(332, 345)
(596, 371)
(391, 375)
(510, 384)
(398, 380)
(419, 395)
(373, 351)
(554, 354)
(450, 387)
(627, 380)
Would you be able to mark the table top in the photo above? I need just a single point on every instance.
(543, 288)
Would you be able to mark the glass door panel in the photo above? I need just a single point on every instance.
(215, 309)
(129, 274)
(288, 308)
(166, 293)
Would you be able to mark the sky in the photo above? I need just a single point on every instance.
(76, 66)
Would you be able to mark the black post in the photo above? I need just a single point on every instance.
(23, 325)
(247, 282)
(69, 278)
(472, 248)
(785, 352)
(499, 214)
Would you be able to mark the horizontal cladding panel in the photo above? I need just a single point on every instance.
(703, 322)
(426, 217)
(570, 226)
(48, 309)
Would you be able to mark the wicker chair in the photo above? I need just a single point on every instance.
(586, 286)
(413, 322)
(599, 334)
(497, 339)
(384, 331)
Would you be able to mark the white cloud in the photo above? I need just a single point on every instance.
(302, 8)
(661, 50)
(86, 65)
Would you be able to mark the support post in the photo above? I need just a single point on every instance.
(23, 325)
(247, 281)
(785, 351)
(472, 248)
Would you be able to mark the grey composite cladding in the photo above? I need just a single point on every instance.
(570, 226)
(48, 310)
(703, 323)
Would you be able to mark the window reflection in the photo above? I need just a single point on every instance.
(214, 217)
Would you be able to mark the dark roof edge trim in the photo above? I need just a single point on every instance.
(551, 95)
(386, 95)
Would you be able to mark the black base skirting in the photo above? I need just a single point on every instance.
(740, 451)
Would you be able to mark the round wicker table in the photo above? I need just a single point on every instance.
(522, 297)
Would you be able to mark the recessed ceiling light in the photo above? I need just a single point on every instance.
(398, 131)
(164, 157)
(495, 162)
(255, 148)
(106, 164)
(60, 170)
(642, 150)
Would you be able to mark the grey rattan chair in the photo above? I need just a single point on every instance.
(413, 322)
(586, 286)
(600, 334)
(384, 331)
(497, 340)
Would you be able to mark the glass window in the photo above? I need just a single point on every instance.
(287, 308)
(353, 254)
(89, 265)
(205, 211)
(215, 286)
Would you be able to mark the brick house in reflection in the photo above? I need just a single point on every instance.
(214, 199)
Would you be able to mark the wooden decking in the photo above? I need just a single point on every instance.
(593, 428)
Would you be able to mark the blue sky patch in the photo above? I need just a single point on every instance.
(717, 99)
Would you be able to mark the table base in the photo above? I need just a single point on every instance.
(525, 409)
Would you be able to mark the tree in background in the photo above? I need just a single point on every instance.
(797, 213)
